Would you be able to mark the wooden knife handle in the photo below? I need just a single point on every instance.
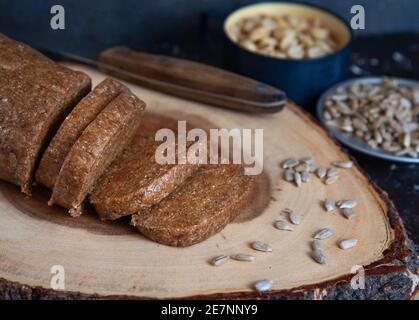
(191, 80)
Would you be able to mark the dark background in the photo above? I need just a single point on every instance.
(191, 29)
(92, 25)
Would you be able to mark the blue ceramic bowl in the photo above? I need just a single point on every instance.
(303, 80)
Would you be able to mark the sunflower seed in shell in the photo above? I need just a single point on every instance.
(323, 234)
(305, 176)
(331, 180)
(332, 172)
(347, 204)
(297, 179)
(318, 256)
(321, 172)
(347, 244)
(290, 163)
(220, 260)
(294, 218)
(329, 205)
(348, 213)
(289, 175)
(283, 225)
(316, 245)
(263, 285)
(343, 164)
(260, 246)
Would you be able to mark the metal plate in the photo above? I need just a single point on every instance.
(351, 140)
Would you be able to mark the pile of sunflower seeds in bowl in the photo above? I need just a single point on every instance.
(384, 115)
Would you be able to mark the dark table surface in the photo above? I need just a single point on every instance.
(392, 55)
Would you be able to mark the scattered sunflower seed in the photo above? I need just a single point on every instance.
(347, 204)
(323, 234)
(289, 175)
(289, 163)
(318, 256)
(311, 168)
(283, 225)
(243, 257)
(321, 172)
(263, 285)
(343, 164)
(305, 176)
(297, 179)
(260, 246)
(220, 260)
(331, 180)
(348, 213)
(329, 205)
(332, 172)
(294, 218)
(347, 244)
(316, 245)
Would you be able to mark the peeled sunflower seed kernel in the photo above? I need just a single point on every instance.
(294, 218)
(318, 256)
(283, 225)
(347, 244)
(321, 172)
(380, 115)
(329, 205)
(347, 204)
(263, 285)
(290, 163)
(260, 246)
(323, 234)
(348, 213)
(297, 179)
(343, 164)
(289, 175)
(220, 260)
(305, 176)
(331, 180)
(316, 245)
(333, 172)
(243, 257)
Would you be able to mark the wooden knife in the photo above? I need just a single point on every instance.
(183, 78)
(191, 80)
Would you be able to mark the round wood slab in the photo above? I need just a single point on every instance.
(113, 259)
